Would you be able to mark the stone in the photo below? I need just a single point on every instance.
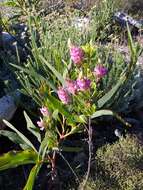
(7, 109)
(13, 43)
(123, 18)
(82, 24)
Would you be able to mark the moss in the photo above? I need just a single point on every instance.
(118, 166)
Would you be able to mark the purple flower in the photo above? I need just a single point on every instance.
(83, 84)
(44, 111)
(71, 86)
(100, 71)
(41, 124)
(63, 95)
(77, 54)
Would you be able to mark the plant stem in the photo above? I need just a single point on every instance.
(53, 166)
(90, 153)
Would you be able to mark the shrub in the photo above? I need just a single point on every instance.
(119, 166)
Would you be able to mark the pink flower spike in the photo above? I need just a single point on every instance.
(63, 95)
(71, 86)
(44, 111)
(83, 84)
(41, 124)
(77, 54)
(100, 71)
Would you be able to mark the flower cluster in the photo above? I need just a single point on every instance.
(82, 83)
(45, 113)
(63, 95)
(77, 54)
(100, 71)
(72, 87)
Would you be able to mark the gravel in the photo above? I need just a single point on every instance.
(5, 10)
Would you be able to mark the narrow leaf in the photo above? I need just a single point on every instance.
(14, 138)
(35, 75)
(71, 149)
(25, 139)
(32, 128)
(110, 113)
(130, 41)
(102, 113)
(102, 101)
(55, 72)
(57, 105)
(32, 176)
(16, 158)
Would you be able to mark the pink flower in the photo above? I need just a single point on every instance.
(41, 124)
(100, 71)
(77, 54)
(44, 111)
(71, 86)
(83, 84)
(63, 95)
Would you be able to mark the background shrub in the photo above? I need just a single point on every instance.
(119, 166)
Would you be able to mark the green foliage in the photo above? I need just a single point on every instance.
(31, 127)
(118, 166)
(29, 155)
(48, 69)
(16, 158)
(14, 138)
(33, 174)
(51, 65)
(24, 139)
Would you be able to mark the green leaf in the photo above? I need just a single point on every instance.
(130, 41)
(102, 101)
(25, 139)
(110, 113)
(55, 72)
(102, 113)
(14, 138)
(71, 149)
(49, 142)
(55, 114)
(34, 75)
(57, 105)
(32, 176)
(43, 146)
(32, 128)
(16, 158)
(80, 118)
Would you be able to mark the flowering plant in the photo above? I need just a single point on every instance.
(71, 90)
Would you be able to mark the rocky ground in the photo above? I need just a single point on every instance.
(5, 11)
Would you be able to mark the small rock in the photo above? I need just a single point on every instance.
(13, 43)
(118, 133)
(123, 18)
(7, 109)
(81, 24)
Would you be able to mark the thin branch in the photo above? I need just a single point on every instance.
(90, 154)
(69, 166)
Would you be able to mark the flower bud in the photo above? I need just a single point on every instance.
(63, 95)
(100, 71)
(77, 54)
(41, 124)
(83, 84)
(71, 86)
(44, 111)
